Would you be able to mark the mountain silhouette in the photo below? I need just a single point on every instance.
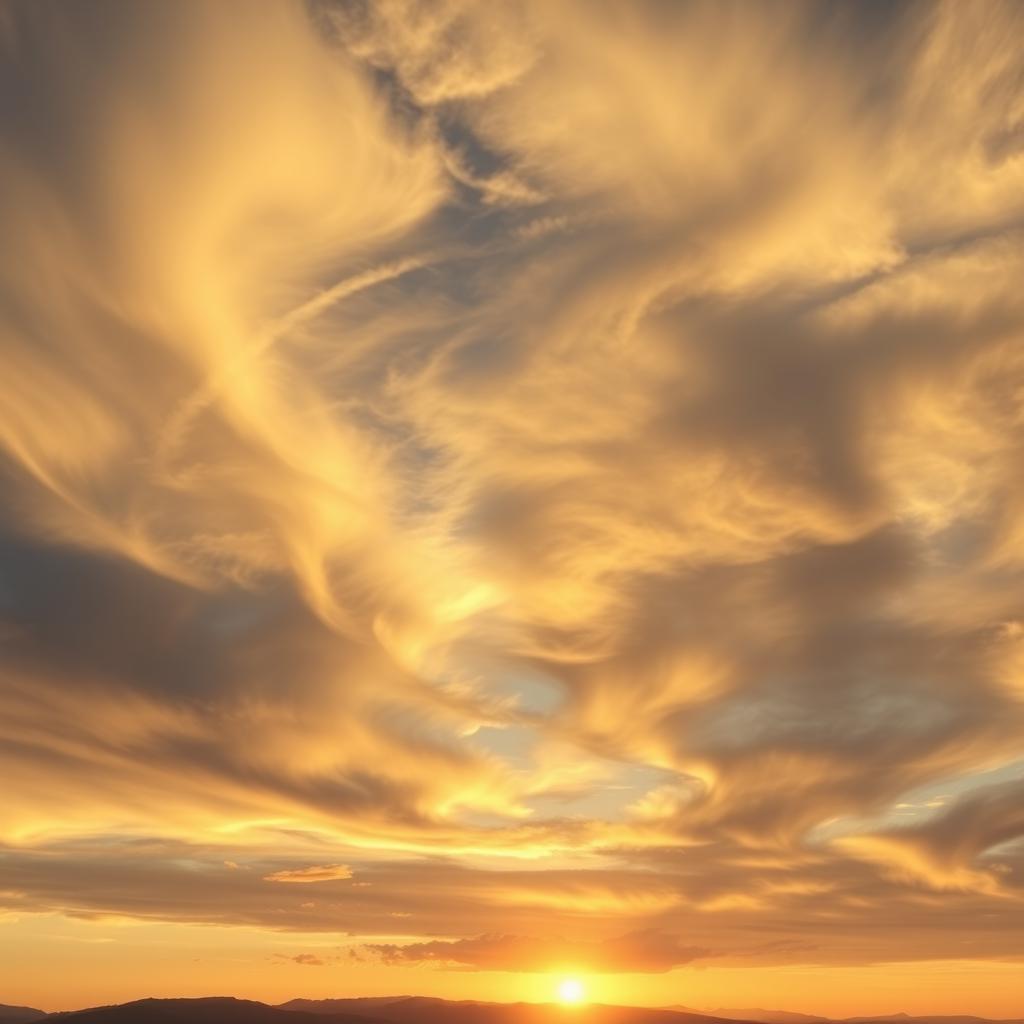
(370, 1005)
(212, 1010)
(789, 1017)
(376, 1010)
(19, 1014)
(903, 1018)
(759, 1015)
(426, 1010)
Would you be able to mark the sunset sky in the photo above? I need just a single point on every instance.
(499, 490)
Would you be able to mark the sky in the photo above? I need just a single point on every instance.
(493, 491)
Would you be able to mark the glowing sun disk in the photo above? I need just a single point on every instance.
(570, 990)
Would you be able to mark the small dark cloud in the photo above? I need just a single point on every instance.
(308, 958)
(637, 952)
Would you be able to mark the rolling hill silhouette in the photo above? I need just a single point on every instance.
(381, 1010)
(212, 1010)
(426, 1010)
(757, 1014)
(788, 1017)
(19, 1014)
(423, 1010)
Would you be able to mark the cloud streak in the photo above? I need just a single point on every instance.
(640, 952)
(315, 873)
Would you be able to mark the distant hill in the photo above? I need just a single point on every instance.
(787, 1017)
(369, 1005)
(903, 1018)
(757, 1014)
(214, 1010)
(424, 1010)
(18, 1014)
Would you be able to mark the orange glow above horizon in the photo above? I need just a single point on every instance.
(513, 500)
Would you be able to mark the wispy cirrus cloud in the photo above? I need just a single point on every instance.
(581, 443)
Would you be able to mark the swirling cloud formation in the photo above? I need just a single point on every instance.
(529, 469)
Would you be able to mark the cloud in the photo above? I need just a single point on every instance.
(309, 959)
(972, 844)
(845, 906)
(561, 462)
(316, 873)
(446, 51)
(647, 952)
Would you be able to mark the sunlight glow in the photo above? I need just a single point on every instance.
(571, 991)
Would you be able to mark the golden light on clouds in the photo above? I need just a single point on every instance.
(488, 488)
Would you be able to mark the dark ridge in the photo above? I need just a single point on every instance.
(19, 1014)
(212, 1010)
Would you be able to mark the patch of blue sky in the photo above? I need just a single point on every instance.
(605, 800)
(514, 744)
(918, 805)
(533, 692)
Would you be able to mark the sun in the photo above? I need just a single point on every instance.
(571, 991)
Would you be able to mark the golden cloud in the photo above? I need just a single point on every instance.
(314, 873)
(581, 442)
